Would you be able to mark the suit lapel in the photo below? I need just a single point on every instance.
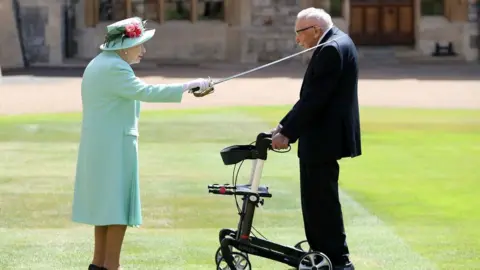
(327, 36)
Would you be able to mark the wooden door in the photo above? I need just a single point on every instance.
(382, 22)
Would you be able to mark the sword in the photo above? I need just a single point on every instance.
(263, 66)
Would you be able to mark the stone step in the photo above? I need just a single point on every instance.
(376, 55)
(414, 56)
(392, 55)
(425, 59)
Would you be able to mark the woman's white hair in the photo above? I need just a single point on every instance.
(317, 15)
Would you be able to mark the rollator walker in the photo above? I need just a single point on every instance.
(253, 195)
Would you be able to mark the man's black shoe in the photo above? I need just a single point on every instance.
(95, 267)
(348, 266)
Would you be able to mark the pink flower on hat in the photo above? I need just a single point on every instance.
(133, 30)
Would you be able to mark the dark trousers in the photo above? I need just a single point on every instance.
(322, 213)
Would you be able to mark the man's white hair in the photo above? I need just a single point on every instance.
(317, 15)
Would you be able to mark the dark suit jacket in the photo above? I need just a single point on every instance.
(325, 120)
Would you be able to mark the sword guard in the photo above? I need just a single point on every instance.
(203, 93)
(197, 93)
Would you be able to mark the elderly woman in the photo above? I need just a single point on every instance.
(107, 193)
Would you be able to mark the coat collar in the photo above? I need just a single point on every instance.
(327, 34)
(325, 37)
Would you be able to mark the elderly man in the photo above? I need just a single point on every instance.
(325, 121)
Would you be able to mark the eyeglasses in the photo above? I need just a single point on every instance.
(303, 29)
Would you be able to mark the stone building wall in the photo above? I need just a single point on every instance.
(433, 29)
(438, 29)
(271, 34)
(174, 41)
(257, 31)
(41, 25)
(261, 30)
(10, 47)
(473, 29)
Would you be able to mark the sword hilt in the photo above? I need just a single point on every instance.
(198, 88)
(197, 93)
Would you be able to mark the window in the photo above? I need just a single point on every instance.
(154, 10)
(336, 8)
(211, 10)
(475, 41)
(178, 9)
(146, 9)
(109, 10)
(194, 10)
(106, 10)
(432, 7)
(473, 12)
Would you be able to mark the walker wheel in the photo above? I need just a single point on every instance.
(240, 261)
(218, 254)
(304, 246)
(315, 261)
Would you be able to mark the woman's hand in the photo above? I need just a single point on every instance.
(199, 87)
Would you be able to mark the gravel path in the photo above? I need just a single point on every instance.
(50, 90)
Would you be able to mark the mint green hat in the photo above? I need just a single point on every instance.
(125, 34)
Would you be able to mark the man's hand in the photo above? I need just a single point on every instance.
(279, 141)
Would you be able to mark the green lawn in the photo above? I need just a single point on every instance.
(410, 202)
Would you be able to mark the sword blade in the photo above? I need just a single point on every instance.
(260, 67)
(272, 63)
(267, 65)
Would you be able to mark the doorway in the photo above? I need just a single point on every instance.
(69, 26)
(382, 22)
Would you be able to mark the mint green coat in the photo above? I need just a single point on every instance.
(107, 189)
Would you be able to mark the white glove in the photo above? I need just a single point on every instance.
(202, 84)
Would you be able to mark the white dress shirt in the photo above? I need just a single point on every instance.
(320, 39)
